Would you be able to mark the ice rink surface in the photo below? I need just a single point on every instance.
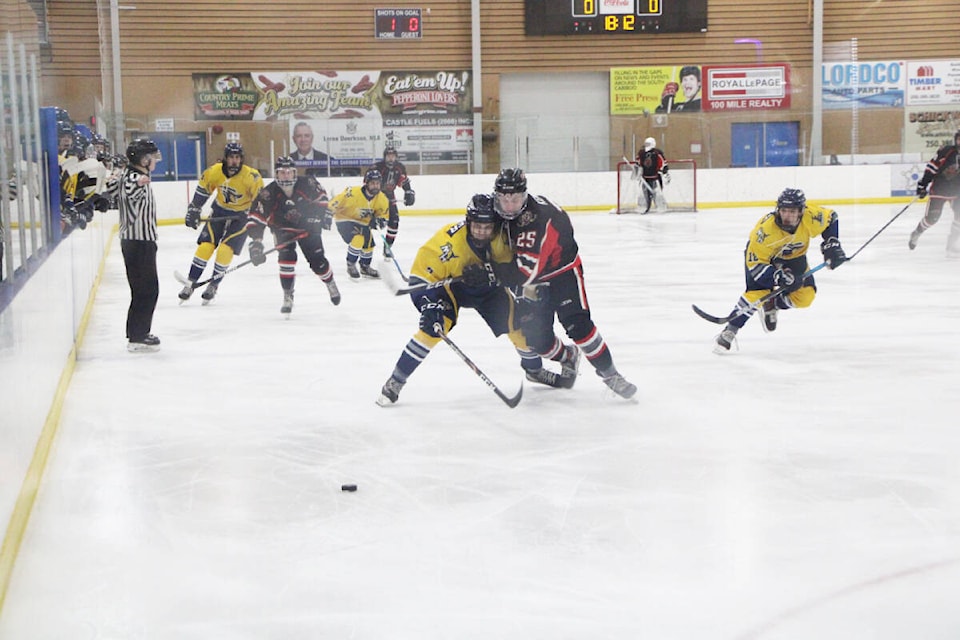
(805, 486)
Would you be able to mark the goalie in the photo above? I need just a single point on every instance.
(652, 170)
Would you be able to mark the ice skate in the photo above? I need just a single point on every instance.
(769, 313)
(186, 292)
(725, 340)
(390, 392)
(369, 272)
(287, 306)
(147, 344)
(620, 386)
(543, 376)
(334, 291)
(352, 270)
(570, 366)
(210, 292)
(914, 239)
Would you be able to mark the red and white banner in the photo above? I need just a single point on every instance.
(746, 87)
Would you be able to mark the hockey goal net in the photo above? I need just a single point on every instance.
(679, 195)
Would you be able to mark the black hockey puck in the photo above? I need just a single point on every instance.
(348, 487)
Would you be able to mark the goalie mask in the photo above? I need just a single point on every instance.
(482, 219)
(371, 182)
(232, 159)
(285, 173)
(510, 190)
(649, 143)
(794, 201)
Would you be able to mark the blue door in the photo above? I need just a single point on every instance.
(765, 144)
(180, 160)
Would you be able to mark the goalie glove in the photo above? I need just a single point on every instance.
(192, 219)
(409, 197)
(833, 253)
(257, 256)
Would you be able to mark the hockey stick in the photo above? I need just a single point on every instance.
(426, 286)
(739, 312)
(753, 305)
(389, 248)
(236, 216)
(186, 281)
(510, 402)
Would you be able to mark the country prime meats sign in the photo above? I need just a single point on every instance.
(746, 87)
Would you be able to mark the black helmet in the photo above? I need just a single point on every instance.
(481, 209)
(284, 162)
(372, 174)
(510, 181)
(389, 151)
(793, 198)
(232, 149)
(139, 148)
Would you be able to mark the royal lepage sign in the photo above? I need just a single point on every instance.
(746, 87)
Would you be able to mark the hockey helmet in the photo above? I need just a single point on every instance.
(794, 199)
(649, 143)
(511, 193)
(229, 150)
(482, 211)
(389, 156)
(139, 148)
(285, 171)
(372, 175)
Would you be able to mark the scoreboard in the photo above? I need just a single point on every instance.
(597, 17)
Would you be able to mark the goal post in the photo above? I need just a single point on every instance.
(679, 195)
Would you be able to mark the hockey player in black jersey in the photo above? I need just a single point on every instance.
(393, 174)
(547, 278)
(295, 209)
(941, 179)
(468, 250)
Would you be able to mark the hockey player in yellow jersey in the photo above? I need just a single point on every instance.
(468, 249)
(236, 186)
(776, 258)
(357, 212)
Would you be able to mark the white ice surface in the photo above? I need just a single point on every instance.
(806, 486)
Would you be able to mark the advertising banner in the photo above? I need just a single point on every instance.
(343, 119)
(868, 85)
(639, 90)
(933, 82)
(926, 130)
(746, 87)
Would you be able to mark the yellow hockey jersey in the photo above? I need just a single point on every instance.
(234, 194)
(768, 242)
(352, 204)
(447, 254)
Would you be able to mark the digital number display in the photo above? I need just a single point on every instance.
(588, 17)
(397, 24)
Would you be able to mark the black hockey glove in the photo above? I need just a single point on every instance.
(833, 253)
(921, 190)
(257, 256)
(379, 223)
(100, 203)
(786, 280)
(313, 226)
(431, 315)
(476, 276)
(409, 197)
(192, 219)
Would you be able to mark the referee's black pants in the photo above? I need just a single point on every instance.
(140, 259)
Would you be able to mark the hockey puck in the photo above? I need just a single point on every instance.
(348, 487)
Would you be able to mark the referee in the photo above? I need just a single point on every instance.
(138, 241)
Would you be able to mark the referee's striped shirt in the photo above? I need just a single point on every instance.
(138, 208)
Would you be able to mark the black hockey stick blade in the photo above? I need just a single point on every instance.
(709, 318)
(510, 402)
